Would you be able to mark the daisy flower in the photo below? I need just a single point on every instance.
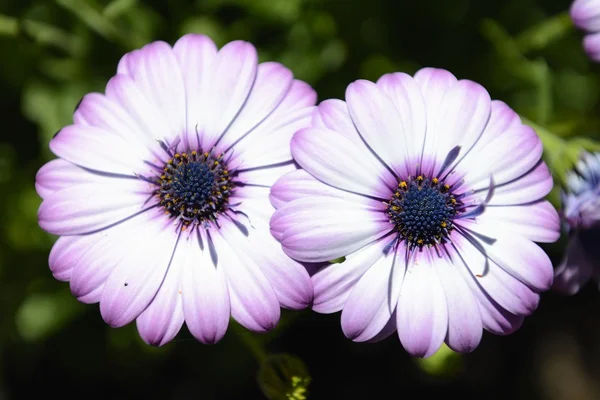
(585, 14)
(160, 192)
(434, 194)
(581, 220)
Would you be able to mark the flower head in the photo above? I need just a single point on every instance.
(160, 192)
(434, 194)
(586, 16)
(581, 220)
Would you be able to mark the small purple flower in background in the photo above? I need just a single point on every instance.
(434, 194)
(161, 191)
(581, 219)
(586, 16)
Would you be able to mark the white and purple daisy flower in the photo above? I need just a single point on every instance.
(585, 14)
(160, 192)
(581, 221)
(434, 194)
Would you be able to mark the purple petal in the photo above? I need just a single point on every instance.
(102, 256)
(66, 252)
(464, 319)
(158, 77)
(196, 55)
(111, 153)
(373, 299)
(586, 14)
(337, 161)
(321, 229)
(591, 45)
(504, 289)
(575, 269)
(254, 303)
(517, 255)
(406, 95)
(461, 119)
(123, 90)
(289, 279)
(139, 274)
(92, 206)
(333, 114)
(99, 111)
(494, 317)
(59, 174)
(538, 222)
(299, 183)
(273, 81)
(434, 84)
(333, 283)
(270, 144)
(507, 157)
(233, 74)
(205, 293)
(422, 312)
(160, 322)
(380, 125)
(532, 186)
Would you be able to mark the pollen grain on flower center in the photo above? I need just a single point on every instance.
(194, 187)
(422, 211)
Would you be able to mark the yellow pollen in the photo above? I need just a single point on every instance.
(403, 185)
(452, 200)
(194, 153)
(435, 181)
(420, 241)
(444, 224)
(420, 178)
(447, 187)
(216, 163)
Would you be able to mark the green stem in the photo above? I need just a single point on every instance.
(253, 345)
(543, 34)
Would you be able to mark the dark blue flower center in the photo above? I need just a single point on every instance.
(422, 211)
(194, 187)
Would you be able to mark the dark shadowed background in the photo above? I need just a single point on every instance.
(52, 52)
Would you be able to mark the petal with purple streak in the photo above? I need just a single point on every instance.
(321, 229)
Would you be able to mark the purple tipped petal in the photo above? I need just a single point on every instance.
(586, 14)
(422, 312)
(333, 283)
(508, 157)
(196, 55)
(299, 184)
(205, 294)
(112, 154)
(92, 206)
(575, 269)
(538, 222)
(515, 254)
(380, 124)
(254, 303)
(234, 74)
(138, 275)
(58, 174)
(101, 257)
(270, 144)
(591, 45)
(273, 81)
(406, 95)
(373, 299)
(337, 161)
(532, 186)
(160, 322)
(504, 289)
(464, 319)
(157, 75)
(322, 229)
(65, 254)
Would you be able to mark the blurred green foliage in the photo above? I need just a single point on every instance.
(525, 52)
